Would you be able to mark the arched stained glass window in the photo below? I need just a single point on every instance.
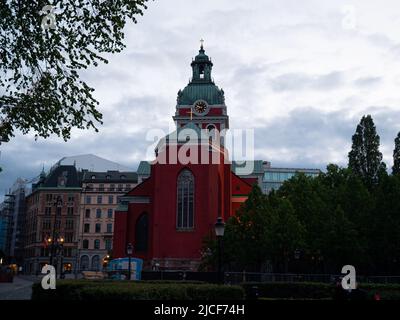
(185, 200)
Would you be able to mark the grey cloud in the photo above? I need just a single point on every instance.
(307, 132)
(302, 81)
(367, 81)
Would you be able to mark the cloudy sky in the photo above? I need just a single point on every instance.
(301, 73)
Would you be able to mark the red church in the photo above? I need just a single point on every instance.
(189, 184)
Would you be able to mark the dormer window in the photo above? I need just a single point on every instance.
(123, 177)
(93, 177)
(108, 177)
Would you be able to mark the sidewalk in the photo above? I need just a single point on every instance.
(20, 289)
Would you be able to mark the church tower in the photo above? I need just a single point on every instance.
(189, 185)
(201, 101)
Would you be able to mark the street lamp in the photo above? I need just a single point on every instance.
(129, 250)
(219, 232)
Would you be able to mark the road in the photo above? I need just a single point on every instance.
(19, 289)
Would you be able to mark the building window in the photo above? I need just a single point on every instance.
(128, 187)
(46, 224)
(110, 199)
(71, 198)
(109, 227)
(58, 211)
(185, 200)
(101, 187)
(49, 197)
(123, 177)
(86, 228)
(88, 199)
(85, 244)
(70, 211)
(58, 224)
(99, 199)
(93, 177)
(141, 233)
(112, 187)
(108, 244)
(47, 211)
(108, 177)
(120, 187)
(96, 263)
(69, 237)
(110, 213)
(87, 213)
(98, 228)
(84, 263)
(69, 224)
(98, 213)
(97, 244)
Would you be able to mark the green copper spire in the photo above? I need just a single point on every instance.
(202, 67)
(201, 86)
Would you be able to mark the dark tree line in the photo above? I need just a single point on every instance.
(317, 225)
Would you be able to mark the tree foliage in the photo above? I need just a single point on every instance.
(396, 156)
(39, 66)
(344, 216)
(365, 159)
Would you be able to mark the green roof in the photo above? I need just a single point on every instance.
(257, 169)
(144, 168)
(204, 91)
(201, 86)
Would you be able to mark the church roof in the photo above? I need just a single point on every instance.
(201, 86)
(205, 91)
(144, 168)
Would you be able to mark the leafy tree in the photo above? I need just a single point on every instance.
(285, 233)
(246, 234)
(304, 194)
(365, 159)
(384, 237)
(396, 156)
(341, 242)
(42, 90)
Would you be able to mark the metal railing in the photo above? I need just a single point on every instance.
(240, 277)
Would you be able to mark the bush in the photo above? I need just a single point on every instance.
(117, 290)
(314, 290)
(290, 290)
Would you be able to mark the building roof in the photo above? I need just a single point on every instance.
(257, 167)
(61, 177)
(294, 170)
(144, 168)
(91, 162)
(109, 176)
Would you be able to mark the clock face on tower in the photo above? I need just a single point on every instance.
(200, 107)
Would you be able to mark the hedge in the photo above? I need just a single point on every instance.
(314, 290)
(290, 290)
(119, 290)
